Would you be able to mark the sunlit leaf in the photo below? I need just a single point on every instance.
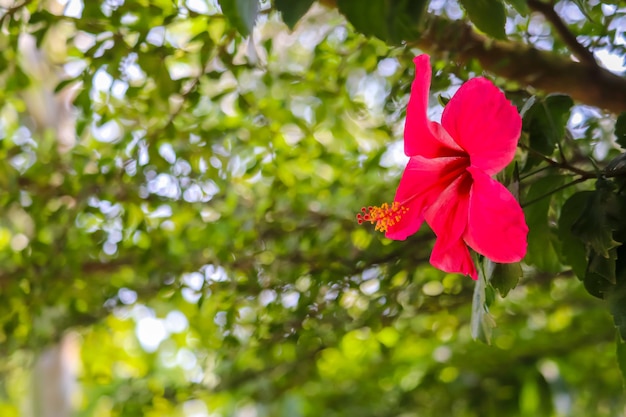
(241, 13)
(482, 323)
(520, 6)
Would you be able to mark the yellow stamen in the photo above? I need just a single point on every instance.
(384, 216)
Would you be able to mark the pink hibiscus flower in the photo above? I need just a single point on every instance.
(448, 182)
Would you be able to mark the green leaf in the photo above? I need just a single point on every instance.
(20, 79)
(542, 242)
(595, 224)
(481, 323)
(543, 250)
(403, 19)
(539, 195)
(60, 86)
(292, 10)
(390, 20)
(616, 299)
(600, 277)
(528, 104)
(606, 273)
(443, 100)
(620, 130)
(367, 20)
(488, 15)
(573, 248)
(520, 6)
(620, 348)
(242, 14)
(603, 267)
(596, 285)
(545, 122)
(505, 277)
(617, 164)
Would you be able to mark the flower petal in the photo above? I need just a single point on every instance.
(422, 182)
(484, 123)
(496, 226)
(422, 136)
(453, 258)
(447, 216)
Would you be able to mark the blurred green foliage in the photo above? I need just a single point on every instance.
(177, 202)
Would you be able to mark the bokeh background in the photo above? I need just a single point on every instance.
(178, 190)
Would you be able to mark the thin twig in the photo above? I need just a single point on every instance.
(580, 51)
(537, 171)
(561, 165)
(556, 190)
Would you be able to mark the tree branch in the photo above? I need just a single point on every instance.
(546, 71)
(582, 53)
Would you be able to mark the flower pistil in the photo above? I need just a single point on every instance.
(385, 215)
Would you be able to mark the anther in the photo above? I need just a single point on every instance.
(384, 216)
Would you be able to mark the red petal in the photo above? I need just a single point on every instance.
(484, 123)
(496, 227)
(453, 258)
(422, 182)
(447, 216)
(421, 136)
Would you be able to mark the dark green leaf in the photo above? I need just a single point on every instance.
(60, 86)
(616, 299)
(620, 130)
(543, 249)
(292, 10)
(594, 226)
(520, 6)
(545, 122)
(617, 164)
(505, 277)
(542, 242)
(539, 196)
(443, 100)
(596, 285)
(242, 14)
(620, 347)
(528, 104)
(367, 20)
(403, 19)
(389, 20)
(41, 16)
(573, 248)
(603, 267)
(488, 15)
(20, 79)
